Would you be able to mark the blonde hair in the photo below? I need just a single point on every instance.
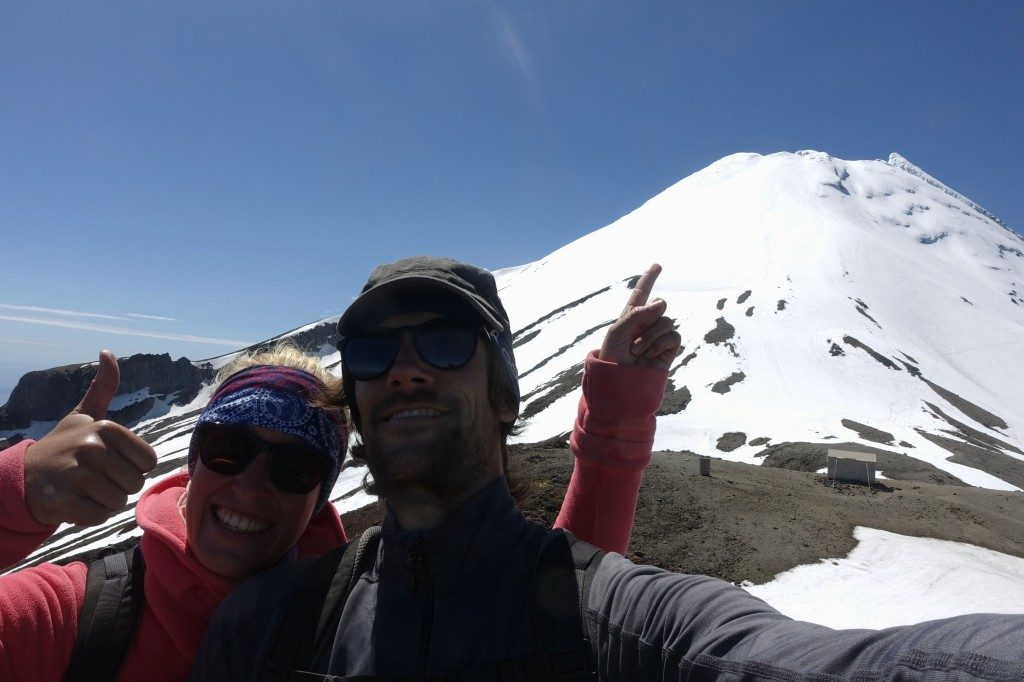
(281, 354)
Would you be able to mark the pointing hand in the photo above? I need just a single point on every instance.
(642, 335)
(84, 469)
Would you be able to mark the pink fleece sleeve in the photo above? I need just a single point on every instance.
(39, 610)
(19, 532)
(611, 441)
(39, 606)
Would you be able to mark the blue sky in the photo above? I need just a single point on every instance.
(205, 174)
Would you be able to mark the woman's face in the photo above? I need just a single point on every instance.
(240, 525)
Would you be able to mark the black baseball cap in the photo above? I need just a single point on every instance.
(412, 284)
(413, 278)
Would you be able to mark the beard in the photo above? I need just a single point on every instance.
(447, 467)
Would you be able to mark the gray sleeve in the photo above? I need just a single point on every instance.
(651, 624)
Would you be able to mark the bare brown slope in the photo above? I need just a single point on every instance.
(750, 523)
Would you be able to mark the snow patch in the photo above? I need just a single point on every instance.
(890, 579)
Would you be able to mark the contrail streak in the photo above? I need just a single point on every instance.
(127, 332)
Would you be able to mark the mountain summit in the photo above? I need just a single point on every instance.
(819, 300)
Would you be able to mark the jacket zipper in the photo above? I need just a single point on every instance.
(421, 574)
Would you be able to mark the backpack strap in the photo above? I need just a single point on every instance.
(110, 612)
(561, 588)
(308, 626)
(586, 560)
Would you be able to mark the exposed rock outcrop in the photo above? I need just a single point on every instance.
(49, 394)
(312, 340)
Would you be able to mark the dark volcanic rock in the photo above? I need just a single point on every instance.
(520, 340)
(566, 347)
(722, 332)
(978, 414)
(675, 399)
(914, 371)
(726, 384)
(992, 462)
(972, 435)
(731, 440)
(685, 361)
(133, 412)
(881, 359)
(563, 384)
(869, 433)
(763, 440)
(568, 306)
(48, 395)
(311, 340)
(862, 308)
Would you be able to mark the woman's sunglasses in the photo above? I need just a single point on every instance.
(443, 343)
(228, 450)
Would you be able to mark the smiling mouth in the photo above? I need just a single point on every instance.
(237, 523)
(417, 413)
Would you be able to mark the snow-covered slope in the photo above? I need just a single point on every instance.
(815, 297)
(820, 301)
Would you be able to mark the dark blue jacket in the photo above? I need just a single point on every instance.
(458, 597)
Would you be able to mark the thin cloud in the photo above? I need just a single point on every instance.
(509, 38)
(106, 329)
(27, 342)
(59, 311)
(514, 45)
(152, 317)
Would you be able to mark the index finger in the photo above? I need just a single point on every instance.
(644, 286)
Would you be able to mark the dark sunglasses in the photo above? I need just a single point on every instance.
(443, 343)
(228, 450)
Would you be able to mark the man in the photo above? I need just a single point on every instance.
(461, 586)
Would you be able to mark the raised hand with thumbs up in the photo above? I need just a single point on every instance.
(84, 469)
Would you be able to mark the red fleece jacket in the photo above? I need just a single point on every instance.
(611, 441)
(39, 606)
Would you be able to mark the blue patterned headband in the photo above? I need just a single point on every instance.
(278, 398)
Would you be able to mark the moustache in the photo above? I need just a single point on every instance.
(416, 397)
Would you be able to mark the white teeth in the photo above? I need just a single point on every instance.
(238, 523)
(406, 414)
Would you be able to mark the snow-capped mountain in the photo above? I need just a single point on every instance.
(820, 301)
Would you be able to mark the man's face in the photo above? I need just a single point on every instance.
(428, 429)
(239, 525)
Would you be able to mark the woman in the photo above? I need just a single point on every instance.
(262, 461)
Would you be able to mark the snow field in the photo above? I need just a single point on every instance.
(890, 579)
